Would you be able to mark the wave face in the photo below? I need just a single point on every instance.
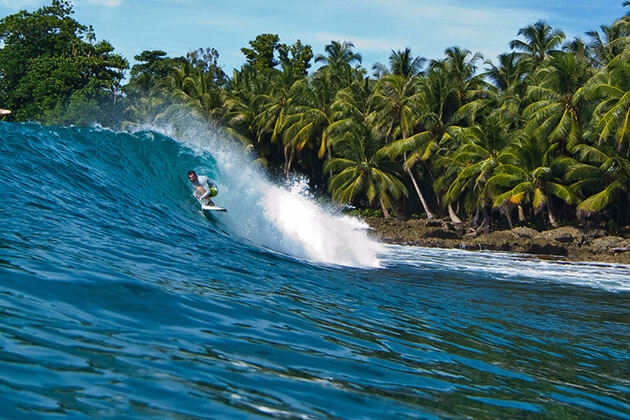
(119, 299)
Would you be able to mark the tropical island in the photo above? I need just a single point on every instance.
(529, 153)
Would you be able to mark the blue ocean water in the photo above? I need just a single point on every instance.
(119, 299)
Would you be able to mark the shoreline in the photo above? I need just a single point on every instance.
(564, 243)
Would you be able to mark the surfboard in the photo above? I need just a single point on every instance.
(212, 208)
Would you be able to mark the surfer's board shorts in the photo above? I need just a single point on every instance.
(213, 192)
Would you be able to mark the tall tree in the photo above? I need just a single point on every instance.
(602, 177)
(48, 61)
(558, 109)
(401, 63)
(262, 54)
(612, 114)
(338, 63)
(527, 177)
(541, 40)
(360, 172)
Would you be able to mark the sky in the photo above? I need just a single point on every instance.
(375, 27)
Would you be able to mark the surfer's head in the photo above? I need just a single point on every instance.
(192, 176)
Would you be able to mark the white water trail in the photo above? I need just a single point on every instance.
(510, 267)
(282, 219)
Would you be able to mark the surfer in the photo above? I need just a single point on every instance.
(204, 187)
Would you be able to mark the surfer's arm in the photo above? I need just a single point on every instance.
(207, 188)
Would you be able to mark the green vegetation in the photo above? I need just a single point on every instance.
(539, 137)
(51, 69)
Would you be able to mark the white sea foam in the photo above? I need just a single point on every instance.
(513, 267)
(282, 218)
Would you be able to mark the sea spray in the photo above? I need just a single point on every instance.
(283, 219)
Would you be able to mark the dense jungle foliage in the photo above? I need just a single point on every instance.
(541, 136)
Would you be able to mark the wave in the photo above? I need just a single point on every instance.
(120, 175)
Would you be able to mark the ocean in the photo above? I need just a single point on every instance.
(120, 299)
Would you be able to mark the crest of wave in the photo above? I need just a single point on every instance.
(283, 219)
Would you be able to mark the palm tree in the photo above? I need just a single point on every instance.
(605, 48)
(241, 106)
(540, 42)
(526, 177)
(196, 90)
(310, 121)
(505, 94)
(401, 63)
(276, 107)
(580, 50)
(200, 93)
(602, 177)
(395, 105)
(508, 75)
(360, 172)
(612, 114)
(339, 54)
(474, 162)
(338, 63)
(461, 72)
(437, 121)
(558, 107)
(396, 108)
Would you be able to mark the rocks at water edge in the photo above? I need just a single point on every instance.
(568, 243)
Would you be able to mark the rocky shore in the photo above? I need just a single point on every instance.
(565, 243)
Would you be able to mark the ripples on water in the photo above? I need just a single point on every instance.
(110, 309)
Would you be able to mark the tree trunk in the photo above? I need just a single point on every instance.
(521, 214)
(453, 215)
(508, 215)
(486, 219)
(552, 218)
(420, 196)
(288, 159)
(476, 217)
(384, 208)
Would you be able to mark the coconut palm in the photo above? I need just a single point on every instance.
(508, 75)
(275, 109)
(241, 106)
(339, 54)
(612, 114)
(558, 106)
(436, 121)
(338, 63)
(602, 177)
(360, 172)
(540, 42)
(608, 44)
(504, 95)
(460, 67)
(401, 63)
(196, 90)
(526, 177)
(473, 163)
(310, 121)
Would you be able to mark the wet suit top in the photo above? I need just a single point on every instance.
(209, 186)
